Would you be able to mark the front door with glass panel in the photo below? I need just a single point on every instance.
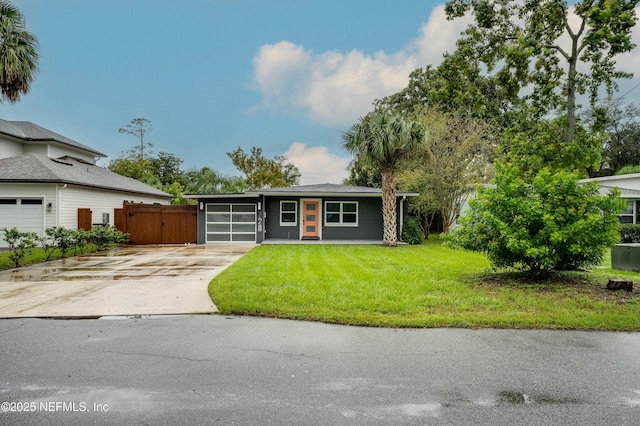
(311, 219)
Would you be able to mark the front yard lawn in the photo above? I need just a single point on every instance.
(416, 286)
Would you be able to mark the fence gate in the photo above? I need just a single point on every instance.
(84, 219)
(158, 224)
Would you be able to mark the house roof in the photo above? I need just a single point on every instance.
(624, 192)
(317, 190)
(612, 178)
(35, 168)
(29, 132)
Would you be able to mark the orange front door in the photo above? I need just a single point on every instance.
(310, 219)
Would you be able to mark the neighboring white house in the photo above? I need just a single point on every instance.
(45, 178)
(629, 187)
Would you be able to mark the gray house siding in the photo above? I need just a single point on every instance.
(369, 219)
(272, 220)
(334, 212)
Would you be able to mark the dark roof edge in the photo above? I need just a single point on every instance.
(256, 194)
(85, 185)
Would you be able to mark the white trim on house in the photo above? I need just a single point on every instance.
(294, 212)
(341, 213)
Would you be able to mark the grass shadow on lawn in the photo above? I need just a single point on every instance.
(416, 286)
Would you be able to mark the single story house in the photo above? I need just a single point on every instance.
(307, 212)
(629, 187)
(46, 177)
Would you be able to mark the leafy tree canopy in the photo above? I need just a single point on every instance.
(208, 181)
(362, 174)
(261, 172)
(455, 85)
(621, 147)
(521, 43)
(459, 155)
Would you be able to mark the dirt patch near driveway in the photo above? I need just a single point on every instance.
(139, 280)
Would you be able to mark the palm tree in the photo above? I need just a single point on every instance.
(383, 139)
(18, 54)
(208, 181)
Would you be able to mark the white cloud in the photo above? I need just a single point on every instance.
(337, 87)
(317, 164)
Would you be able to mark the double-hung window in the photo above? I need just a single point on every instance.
(288, 213)
(628, 215)
(341, 213)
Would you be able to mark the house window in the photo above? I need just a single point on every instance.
(288, 213)
(628, 215)
(341, 213)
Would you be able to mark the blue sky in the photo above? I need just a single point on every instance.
(211, 75)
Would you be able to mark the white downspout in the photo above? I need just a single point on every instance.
(404, 197)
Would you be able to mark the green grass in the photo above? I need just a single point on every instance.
(416, 286)
(37, 255)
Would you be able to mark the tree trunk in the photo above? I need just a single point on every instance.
(389, 217)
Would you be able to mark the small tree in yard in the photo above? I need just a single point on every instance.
(551, 222)
(20, 244)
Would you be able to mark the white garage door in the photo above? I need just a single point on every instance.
(26, 214)
(231, 223)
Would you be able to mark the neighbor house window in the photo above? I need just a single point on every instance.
(341, 213)
(628, 215)
(288, 213)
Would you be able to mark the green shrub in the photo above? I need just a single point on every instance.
(80, 239)
(551, 222)
(63, 238)
(628, 170)
(411, 231)
(630, 233)
(105, 237)
(20, 244)
(48, 244)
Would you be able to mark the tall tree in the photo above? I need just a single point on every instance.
(135, 168)
(18, 54)
(139, 127)
(363, 174)
(522, 42)
(622, 144)
(262, 172)
(454, 85)
(383, 139)
(458, 157)
(167, 167)
(208, 181)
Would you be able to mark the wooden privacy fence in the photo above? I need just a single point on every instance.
(158, 224)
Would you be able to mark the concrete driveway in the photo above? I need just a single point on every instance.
(139, 280)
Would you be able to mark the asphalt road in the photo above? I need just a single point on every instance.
(244, 371)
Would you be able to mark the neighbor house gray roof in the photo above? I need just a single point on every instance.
(624, 192)
(318, 190)
(30, 132)
(36, 168)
